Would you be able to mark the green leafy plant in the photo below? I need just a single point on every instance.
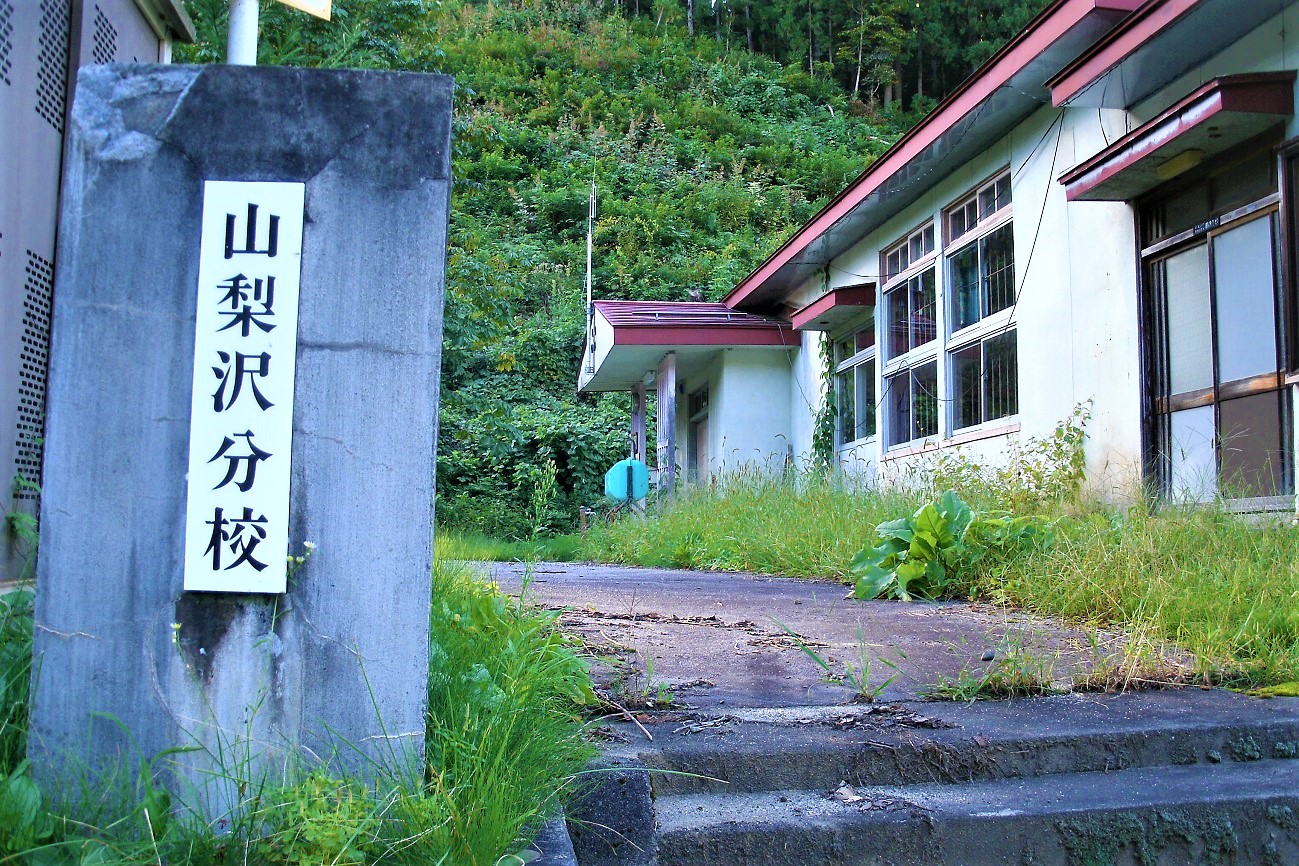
(922, 555)
(23, 819)
(319, 820)
(823, 425)
(16, 619)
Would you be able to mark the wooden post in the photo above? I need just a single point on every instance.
(638, 421)
(667, 422)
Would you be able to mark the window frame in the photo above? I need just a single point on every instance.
(954, 401)
(976, 235)
(857, 363)
(910, 372)
(897, 286)
(970, 220)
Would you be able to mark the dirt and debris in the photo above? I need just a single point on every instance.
(877, 716)
(720, 724)
(607, 734)
(868, 801)
(692, 685)
(570, 617)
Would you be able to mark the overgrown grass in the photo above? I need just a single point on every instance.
(452, 545)
(504, 739)
(504, 744)
(15, 676)
(1223, 588)
(805, 525)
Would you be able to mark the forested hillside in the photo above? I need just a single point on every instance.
(706, 155)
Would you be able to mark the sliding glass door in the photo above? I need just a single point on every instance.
(1218, 408)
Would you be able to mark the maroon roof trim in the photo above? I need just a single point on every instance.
(1142, 26)
(1052, 23)
(1255, 93)
(691, 323)
(845, 296)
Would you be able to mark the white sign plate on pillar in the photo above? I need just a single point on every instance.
(241, 413)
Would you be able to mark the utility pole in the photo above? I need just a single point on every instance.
(241, 41)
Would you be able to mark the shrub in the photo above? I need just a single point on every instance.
(925, 555)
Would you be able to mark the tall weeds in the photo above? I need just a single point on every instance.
(802, 525)
(1222, 587)
(504, 744)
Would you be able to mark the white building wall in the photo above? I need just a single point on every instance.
(1076, 317)
(804, 399)
(749, 396)
(709, 375)
(1271, 47)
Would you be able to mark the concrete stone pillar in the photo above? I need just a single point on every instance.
(338, 664)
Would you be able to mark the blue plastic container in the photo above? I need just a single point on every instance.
(627, 481)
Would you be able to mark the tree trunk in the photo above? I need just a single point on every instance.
(690, 17)
(811, 42)
(717, 20)
(861, 47)
(829, 40)
(920, 64)
(748, 27)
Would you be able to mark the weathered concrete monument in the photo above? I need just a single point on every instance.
(245, 358)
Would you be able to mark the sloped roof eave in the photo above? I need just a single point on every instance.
(1088, 19)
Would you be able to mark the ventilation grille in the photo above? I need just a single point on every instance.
(52, 60)
(105, 47)
(34, 363)
(6, 42)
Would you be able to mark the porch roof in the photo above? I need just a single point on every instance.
(644, 331)
(691, 323)
(1213, 118)
(834, 308)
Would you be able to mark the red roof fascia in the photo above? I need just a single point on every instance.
(846, 296)
(1050, 25)
(1260, 93)
(691, 323)
(1144, 24)
(706, 336)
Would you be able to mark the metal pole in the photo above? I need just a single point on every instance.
(241, 45)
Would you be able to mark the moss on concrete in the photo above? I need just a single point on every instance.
(1099, 840)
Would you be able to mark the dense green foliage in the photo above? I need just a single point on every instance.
(504, 743)
(705, 154)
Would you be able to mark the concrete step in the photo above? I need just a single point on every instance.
(1184, 774)
(1235, 813)
(911, 743)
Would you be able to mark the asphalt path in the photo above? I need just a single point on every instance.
(715, 640)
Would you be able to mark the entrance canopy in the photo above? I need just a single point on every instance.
(1216, 117)
(627, 339)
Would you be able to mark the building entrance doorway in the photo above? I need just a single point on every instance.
(1218, 412)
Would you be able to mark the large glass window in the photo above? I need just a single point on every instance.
(933, 382)
(985, 381)
(983, 277)
(854, 384)
(913, 403)
(911, 306)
